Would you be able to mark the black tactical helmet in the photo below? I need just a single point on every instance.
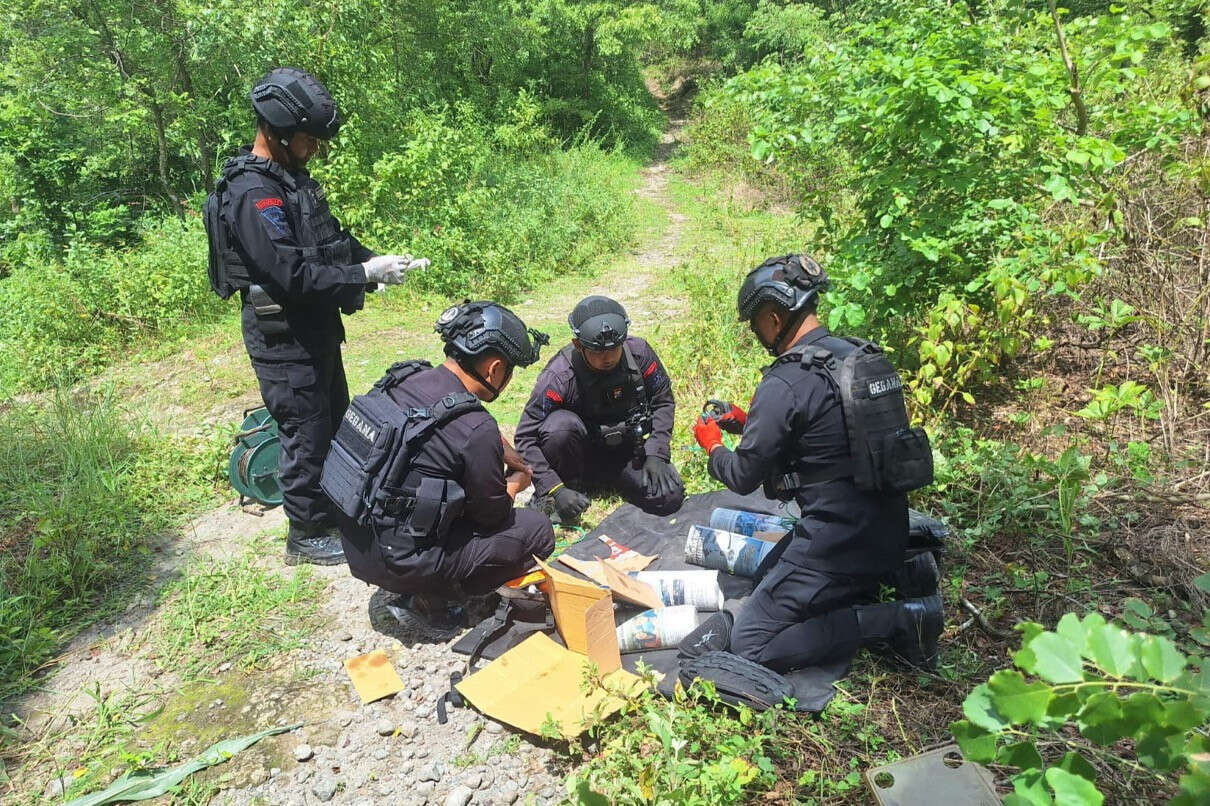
(598, 322)
(790, 280)
(290, 100)
(471, 328)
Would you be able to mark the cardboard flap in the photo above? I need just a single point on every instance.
(374, 676)
(570, 600)
(629, 588)
(539, 680)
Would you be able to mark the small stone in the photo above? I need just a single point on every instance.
(547, 793)
(508, 793)
(473, 780)
(380, 753)
(303, 752)
(56, 787)
(302, 775)
(458, 796)
(432, 772)
(494, 728)
(408, 729)
(274, 772)
(384, 727)
(224, 667)
(344, 635)
(346, 719)
(425, 788)
(324, 788)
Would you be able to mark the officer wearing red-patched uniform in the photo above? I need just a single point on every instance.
(600, 418)
(828, 429)
(274, 241)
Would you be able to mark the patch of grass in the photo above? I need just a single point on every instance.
(83, 491)
(234, 612)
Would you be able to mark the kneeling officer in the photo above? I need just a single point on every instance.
(600, 416)
(828, 429)
(418, 468)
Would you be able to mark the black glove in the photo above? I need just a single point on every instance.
(659, 477)
(569, 504)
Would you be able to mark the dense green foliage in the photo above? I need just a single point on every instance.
(486, 136)
(955, 182)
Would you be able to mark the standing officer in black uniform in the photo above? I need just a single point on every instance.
(600, 416)
(274, 240)
(832, 434)
(452, 531)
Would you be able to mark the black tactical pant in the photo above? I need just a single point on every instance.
(798, 617)
(478, 562)
(585, 466)
(308, 401)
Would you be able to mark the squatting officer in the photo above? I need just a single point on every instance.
(600, 416)
(464, 461)
(811, 604)
(274, 240)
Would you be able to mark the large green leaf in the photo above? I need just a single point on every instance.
(1018, 700)
(1161, 659)
(1076, 764)
(1072, 790)
(1101, 719)
(979, 707)
(1074, 630)
(1114, 651)
(1029, 788)
(1055, 659)
(1022, 755)
(1160, 747)
(145, 784)
(977, 744)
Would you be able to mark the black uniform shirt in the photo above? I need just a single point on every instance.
(264, 220)
(796, 414)
(467, 449)
(556, 388)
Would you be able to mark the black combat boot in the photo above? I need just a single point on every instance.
(917, 577)
(905, 631)
(314, 544)
(432, 617)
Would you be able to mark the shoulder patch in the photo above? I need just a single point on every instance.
(276, 218)
(554, 397)
(272, 201)
(647, 373)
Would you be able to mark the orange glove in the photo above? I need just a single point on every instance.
(707, 434)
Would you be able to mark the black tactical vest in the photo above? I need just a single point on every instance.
(885, 453)
(311, 219)
(610, 398)
(368, 471)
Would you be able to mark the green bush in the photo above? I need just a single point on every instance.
(691, 750)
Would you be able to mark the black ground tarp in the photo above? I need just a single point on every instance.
(665, 536)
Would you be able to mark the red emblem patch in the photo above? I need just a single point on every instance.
(554, 397)
(647, 372)
(272, 201)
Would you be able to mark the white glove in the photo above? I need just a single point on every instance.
(388, 269)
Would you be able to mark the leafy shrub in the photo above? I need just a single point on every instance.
(1094, 680)
(956, 181)
(691, 750)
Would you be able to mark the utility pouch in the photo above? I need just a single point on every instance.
(907, 460)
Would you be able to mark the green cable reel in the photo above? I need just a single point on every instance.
(253, 466)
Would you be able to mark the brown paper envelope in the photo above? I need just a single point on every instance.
(373, 676)
(538, 678)
(629, 588)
